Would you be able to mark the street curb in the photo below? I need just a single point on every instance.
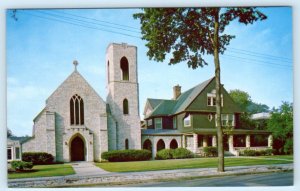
(143, 177)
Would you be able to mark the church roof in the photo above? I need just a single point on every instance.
(171, 107)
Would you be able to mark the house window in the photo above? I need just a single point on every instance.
(149, 122)
(76, 110)
(125, 106)
(17, 151)
(124, 68)
(174, 122)
(211, 99)
(187, 121)
(158, 123)
(9, 153)
(126, 144)
(227, 120)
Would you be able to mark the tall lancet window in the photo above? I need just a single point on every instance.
(124, 68)
(76, 110)
(125, 106)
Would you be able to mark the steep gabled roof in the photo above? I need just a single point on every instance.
(186, 98)
(154, 102)
(171, 107)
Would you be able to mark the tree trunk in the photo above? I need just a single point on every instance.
(218, 93)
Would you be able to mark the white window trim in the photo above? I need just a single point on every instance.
(187, 119)
(156, 121)
(227, 117)
(212, 97)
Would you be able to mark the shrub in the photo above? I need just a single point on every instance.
(126, 155)
(249, 152)
(266, 152)
(210, 151)
(164, 154)
(21, 165)
(269, 152)
(37, 157)
(181, 153)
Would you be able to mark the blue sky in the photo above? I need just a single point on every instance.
(40, 51)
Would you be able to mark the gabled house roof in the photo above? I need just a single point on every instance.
(171, 107)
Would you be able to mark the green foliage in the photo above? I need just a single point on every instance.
(281, 126)
(38, 157)
(178, 153)
(241, 98)
(189, 32)
(164, 154)
(21, 165)
(210, 151)
(182, 153)
(257, 108)
(249, 152)
(126, 155)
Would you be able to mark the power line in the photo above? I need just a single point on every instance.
(83, 21)
(256, 63)
(100, 20)
(255, 60)
(76, 24)
(252, 53)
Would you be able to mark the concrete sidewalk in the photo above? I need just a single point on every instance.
(87, 169)
(107, 178)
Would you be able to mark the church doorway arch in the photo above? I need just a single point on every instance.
(77, 149)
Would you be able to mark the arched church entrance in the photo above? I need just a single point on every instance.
(77, 150)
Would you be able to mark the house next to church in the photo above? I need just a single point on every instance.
(189, 121)
(76, 124)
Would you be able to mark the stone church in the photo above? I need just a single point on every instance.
(76, 124)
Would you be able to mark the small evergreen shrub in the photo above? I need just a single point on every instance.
(266, 152)
(37, 157)
(210, 151)
(269, 152)
(21, 165)
(164, 154)
(182, 153)
(126, 155)
(249, 152)
(179, 153)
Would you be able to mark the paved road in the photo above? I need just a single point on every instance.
(269, 179)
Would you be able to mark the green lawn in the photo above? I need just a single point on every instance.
(45, 171)
(284, 157)
(185, 163)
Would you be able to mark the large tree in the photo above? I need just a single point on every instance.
(190, 33)
(281, 126)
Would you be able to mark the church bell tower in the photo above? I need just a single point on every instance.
(123, 97)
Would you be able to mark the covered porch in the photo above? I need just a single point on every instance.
(234, 141)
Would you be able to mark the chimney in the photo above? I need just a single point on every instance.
(176, 91)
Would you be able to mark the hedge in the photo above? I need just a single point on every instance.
(37, 157)
(249, 152)
(210, 151)
(164, 154)
(126, 155)
(21, 165)
(179, 153)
